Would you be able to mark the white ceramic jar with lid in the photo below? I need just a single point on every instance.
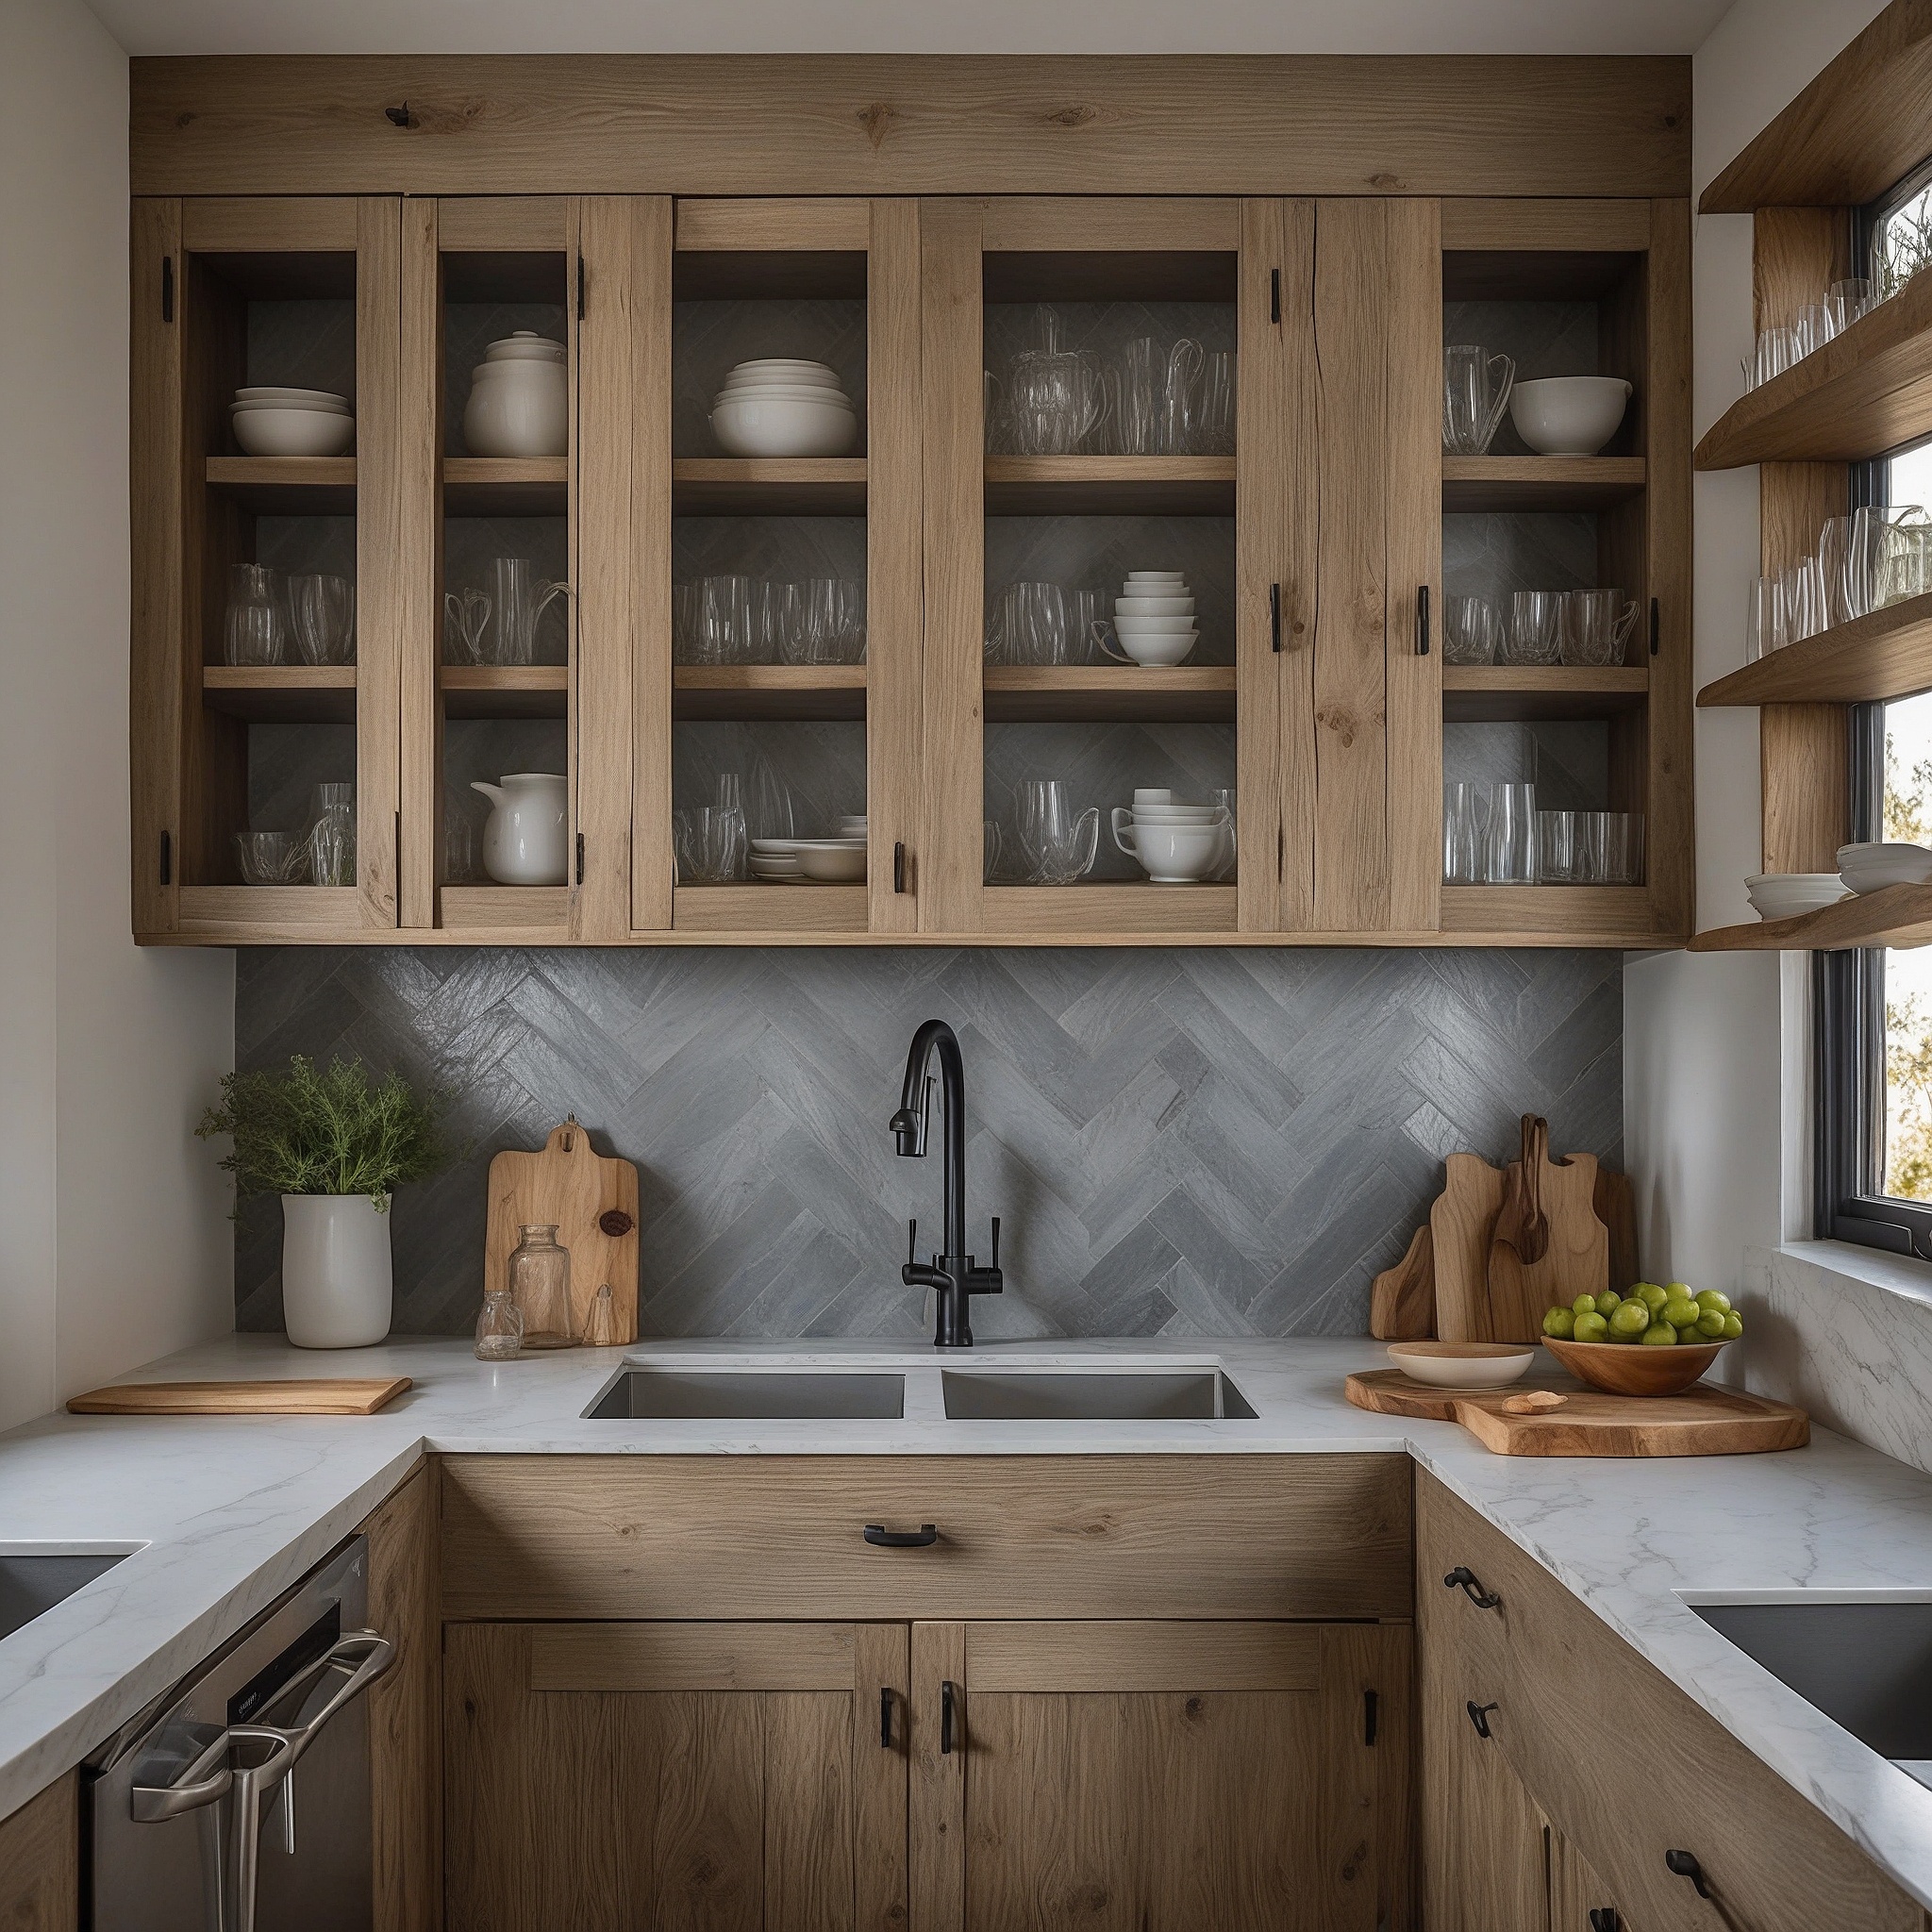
(519, 399)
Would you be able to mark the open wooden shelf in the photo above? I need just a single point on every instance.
(1110, 693)
(1109, 486)
(505, 486)
(1495, 694)
(287, 485)
(1112, 907)
(504, 691)
(1898, 916)
(1485, 484)
(776, 907)
(281, 694)
(768, 691)
(504, 908)
(1865, 391)
(768, 485)
(1886, 653)
(1584, 915)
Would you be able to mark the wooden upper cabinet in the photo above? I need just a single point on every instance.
(247, 697)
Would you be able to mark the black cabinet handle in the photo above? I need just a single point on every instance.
(1274, 294)
(582, 305)
(1655, 621)
(1605, 1919)
(167, 287)
(1471, 1584)
(898, 865)
(1421, 620)
(1686, 1866)
(947, 1691)
(1479, 1716)
(880, 1538)
(167, 859)
(885, 1721)
(580, 858)
(1274, 615)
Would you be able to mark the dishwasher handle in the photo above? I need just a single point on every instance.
(253, 1782)
(360, 1657)
(207, 1781)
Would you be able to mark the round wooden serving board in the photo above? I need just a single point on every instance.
(1704, 1420)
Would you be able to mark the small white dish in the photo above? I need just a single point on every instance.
(267, 431)
(1156, 577)
(1462, 1364)
(1786, 896)
(832, 861)
(1869, 868)
(315, 398)
(1569, 415)
(1155, 651)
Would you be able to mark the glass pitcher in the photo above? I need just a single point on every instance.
(518, 597)
(1476, 392)
(539, 1287)
(332, 836)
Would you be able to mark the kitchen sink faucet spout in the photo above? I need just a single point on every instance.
(951, 1274)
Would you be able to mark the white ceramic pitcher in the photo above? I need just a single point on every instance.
(526, 841)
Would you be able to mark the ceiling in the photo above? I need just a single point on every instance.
(922, 27)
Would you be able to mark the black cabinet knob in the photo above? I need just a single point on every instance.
(1605, 1919)
(1686, 1866)
(1479, 1716)
(1471, 1584)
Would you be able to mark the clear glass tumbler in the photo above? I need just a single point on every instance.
(1596, 627)
(539, 1287)
(1535, 631)
(1509, 849)
(1556, 842)
(1058, 844)
(1764, 618)
(1476, 392)
(1471, 629)
(256, 629)
(324, 610)
(1465, 831)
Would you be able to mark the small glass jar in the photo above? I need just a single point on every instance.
(499, 1327)
(540, 1286)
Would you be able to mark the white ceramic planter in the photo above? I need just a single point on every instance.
(337, 1287)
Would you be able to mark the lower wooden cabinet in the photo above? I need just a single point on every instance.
(1580, 1901)
(40, 1861)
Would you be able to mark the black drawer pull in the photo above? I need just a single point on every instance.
(880, 1538)
(1479, 1716)
(1421, 620)
(1686, 1866)
(1471, 1584)
(947, 1692)
(1275, 616)
(885, 1721)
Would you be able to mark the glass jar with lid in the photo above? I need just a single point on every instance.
(540, 1286)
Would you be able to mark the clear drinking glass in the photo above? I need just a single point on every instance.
(1869, 551)
(1180, 397)
(762, 600)
(1057, 845)
(1595, 627)
(1907, 563)
(1555, 848)
(848, 620)
(1476, 392)
(1510, 848)
(1137, 392)
(1535, 635)
(1472, 630)
(540, 1288)
(1802, 593)
(724, 620)
(684, 627)
(332, 836)
(1810, 330)
(991, 848)
(499, 1327)
(1848, 301)
(1465, 831)
(255, 630)
(1029, 625)
(324, 611)
(1764, 618)
(272, 859)
(1777, 349)
(1215, 427)
(710, 844)
(1833, 554)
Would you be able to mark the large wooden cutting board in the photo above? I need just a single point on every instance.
(591, 1199)
(1576, 1260)
(1459, 1225)
(292, 1395)
(1704, 1420)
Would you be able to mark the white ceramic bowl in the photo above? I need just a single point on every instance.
(1134, 626)
(1159, 651)
(1462, 1364)
(270, 403)
(1170, 854)
(832, 861)
(517, 409)
(1156, 576)
(742, 378)
(1153, 607)
(264, 431)
(313, 398)
(756, 426)
(1785, 895)
(525, 345)
(1569, 415)
(796, 363)
(1176, 815)
(1866, 867)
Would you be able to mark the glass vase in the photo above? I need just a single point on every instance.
(499, 1327)
(539, 1287)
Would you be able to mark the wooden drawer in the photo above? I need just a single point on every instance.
(1594, 1729)
(1061, 1537)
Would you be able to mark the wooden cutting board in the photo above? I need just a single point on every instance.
(1576, 1258)
(299, 1395)
(1459, 1225)
(1402, 1300)
(1704, 1420)
(592, 1202)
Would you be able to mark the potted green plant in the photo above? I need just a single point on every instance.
(334, 1148)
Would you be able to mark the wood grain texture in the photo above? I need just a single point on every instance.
(1054, 224)
(1895, 916)
(405, 1711)
(1804, 758)
(1575, 1890)
(567, 1184)
(953, 749)
(692, 1656)
(1091, 1536)
(1119, 909)
(1581, 1741)
(1577, 1256)
(1093, 693)
(1459, 1225)
(40, 1861)
(1487, 226)
(768, 125)
(786, 225)
(1862, 123)
(291, 1396)
(1533, 484)
(418, 555)
(251, 223)
(772, 908)
(1706, 1420)
(1402, 1299)
(1882, 656)
(1616, 1207)
(1139, 1657)
(653, 868)
(936, 1806)
(895, 539)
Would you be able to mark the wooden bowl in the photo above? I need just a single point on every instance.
(1628, 1368)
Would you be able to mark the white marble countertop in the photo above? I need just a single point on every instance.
(224, 1513)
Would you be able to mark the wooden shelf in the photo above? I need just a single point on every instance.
(1484, 484)
(1110, 693)
(1886, 653)
(1495, 693)
(1860, 124)
(1583, 915)
(504, 691)
(287, 485)
(263, 913)
(505, 486)
(1109, 486)
(768, 691)
(1899, 916)
(1114, 907)
(768, 485)
(776, 907)
(281, 694)
(504, 908)
(1865, 391)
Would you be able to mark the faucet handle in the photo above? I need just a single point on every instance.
(995, 1243)
(911, 1242)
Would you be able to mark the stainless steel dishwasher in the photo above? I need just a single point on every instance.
(241, 1797)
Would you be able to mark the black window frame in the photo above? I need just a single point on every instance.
(1848, 987)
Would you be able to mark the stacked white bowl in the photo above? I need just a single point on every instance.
(775, 407)
(1174, 843)
(818, 861)
(270, 421)
(1153, 618)
(1870, 868)
(520, 398)
(1786, 894)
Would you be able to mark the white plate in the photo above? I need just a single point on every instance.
(790, 848)
(267, 392)
(1867, 868)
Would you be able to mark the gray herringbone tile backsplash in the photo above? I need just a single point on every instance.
(1212, 1142)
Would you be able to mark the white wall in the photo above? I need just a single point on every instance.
(113, 1242)
(1715, 1113)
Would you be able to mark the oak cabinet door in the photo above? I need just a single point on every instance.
(1131, 1774)
(610, 1775)
(1579, 1900)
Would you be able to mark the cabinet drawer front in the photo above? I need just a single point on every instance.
(1073, 1536)
(1592, 1728)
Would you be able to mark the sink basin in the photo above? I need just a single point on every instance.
(1110, 1395)
(1867, 1665)
(31, 1584)
(751, 1395)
